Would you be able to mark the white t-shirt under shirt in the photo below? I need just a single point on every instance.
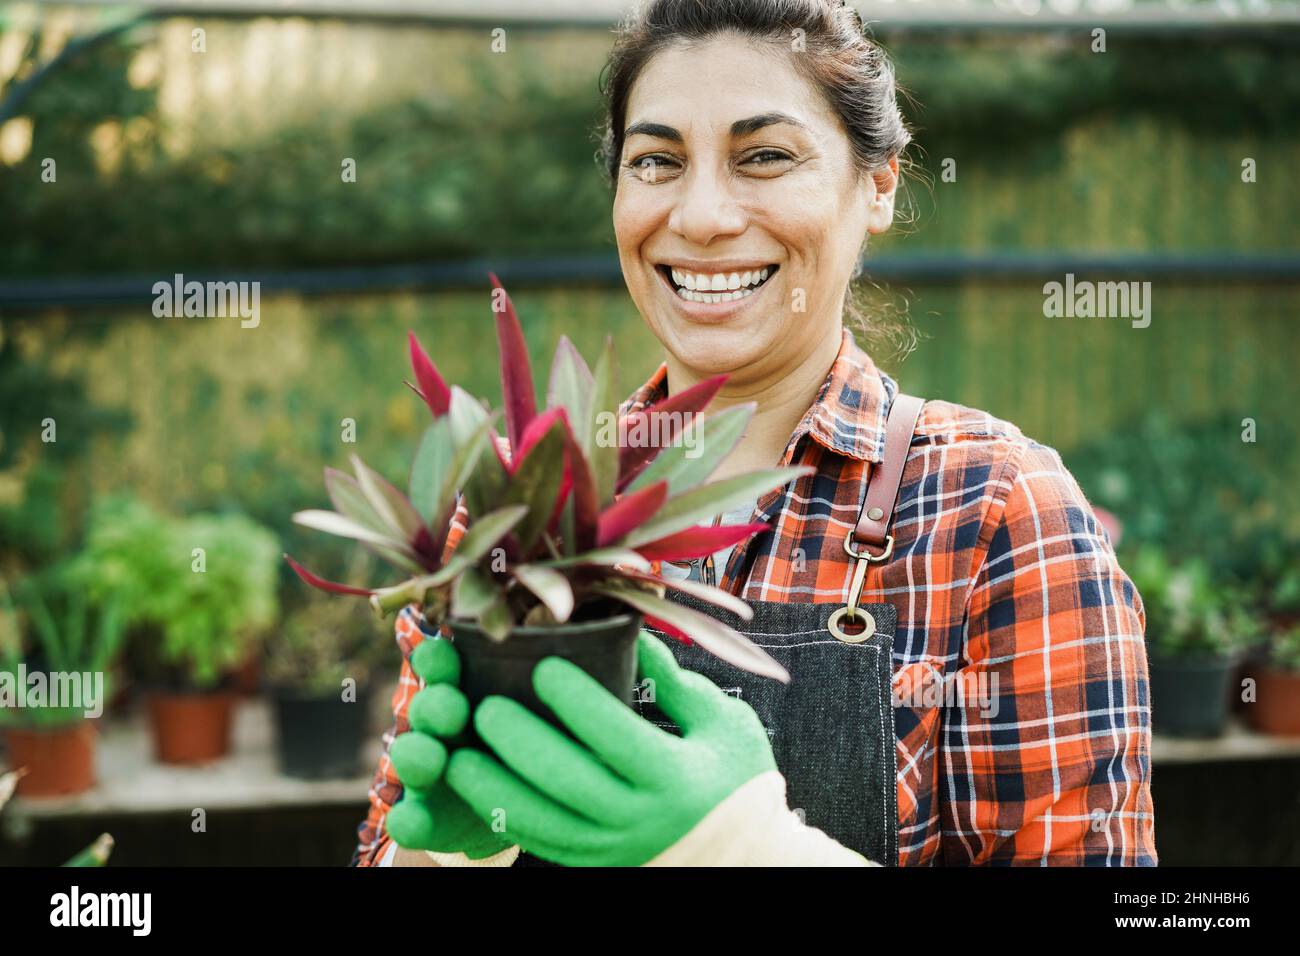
(695, 572)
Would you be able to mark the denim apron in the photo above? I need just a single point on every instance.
(831, 727)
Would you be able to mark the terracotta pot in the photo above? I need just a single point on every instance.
(1276, 709)
(59, 760)
(191, 727)
(248, 676)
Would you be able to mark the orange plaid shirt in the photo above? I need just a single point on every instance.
(1006, 587)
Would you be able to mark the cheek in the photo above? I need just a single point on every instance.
(634, 218)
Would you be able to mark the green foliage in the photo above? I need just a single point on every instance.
(64, 634)
(325, 640)
(201, 623)
(506, 165)
(35, 527)
(1284, 649)
(1197, 489)
(1188, 612)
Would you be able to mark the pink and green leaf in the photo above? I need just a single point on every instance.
(549, 586)
(697, 541)
(431, 388)
(393, 507)
(516, 371)
(602, 449)
(718, 639)
(689, 401)
(324, 585)
(539, 478)
(699, 448)
(707, 501)
(571, 383)
(705, 592)
(331, 522)
(630, 512)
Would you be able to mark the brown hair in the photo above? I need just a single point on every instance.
(851, 70)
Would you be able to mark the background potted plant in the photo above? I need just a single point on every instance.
(1194, 632)
(1276, 708)
(569, 515)
(318, 671)
(55, 744)
(197, 594)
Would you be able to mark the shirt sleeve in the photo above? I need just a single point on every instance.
(385, 787)
(1046, 756)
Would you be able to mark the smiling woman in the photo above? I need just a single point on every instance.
(754, 146)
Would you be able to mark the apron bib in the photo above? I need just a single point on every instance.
(831, 727)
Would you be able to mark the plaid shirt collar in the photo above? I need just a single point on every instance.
(848, 416)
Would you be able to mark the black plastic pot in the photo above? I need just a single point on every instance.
(605, 648)
(319, 736)
(1189, 695)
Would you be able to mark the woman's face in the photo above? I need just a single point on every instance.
(739, 212)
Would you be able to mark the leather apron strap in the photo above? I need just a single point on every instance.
(872, 528)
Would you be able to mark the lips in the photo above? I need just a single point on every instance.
(710, 288)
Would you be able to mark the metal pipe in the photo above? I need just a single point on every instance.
(603, 271)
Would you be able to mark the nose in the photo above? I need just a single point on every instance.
(706, 208)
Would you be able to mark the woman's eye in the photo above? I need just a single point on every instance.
(649, 167)
(766, 157)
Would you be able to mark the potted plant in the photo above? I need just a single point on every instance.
(73, 646)
(197, 594)
(1276, 709)
(1194, 630)
(568, 516)
(318, 675)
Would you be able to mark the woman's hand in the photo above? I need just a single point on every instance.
(627, 792)
(429, 816)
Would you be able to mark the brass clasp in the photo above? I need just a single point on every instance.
(850, 610)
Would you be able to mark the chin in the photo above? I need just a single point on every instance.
(716, 349)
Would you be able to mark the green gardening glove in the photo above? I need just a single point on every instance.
(627, 792)
(429, 816)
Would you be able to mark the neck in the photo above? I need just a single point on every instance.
(782, 397)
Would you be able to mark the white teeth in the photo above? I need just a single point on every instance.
(729, 296)
(718, 287)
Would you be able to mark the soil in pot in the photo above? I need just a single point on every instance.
(60, 760)
(1189, 695)
(1276, 709)
(604, 647)
(319, 736)
(191, 726)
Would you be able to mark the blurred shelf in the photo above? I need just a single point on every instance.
(1237, 743)
(131, 781)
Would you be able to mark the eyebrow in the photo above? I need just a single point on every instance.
(742, 127)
